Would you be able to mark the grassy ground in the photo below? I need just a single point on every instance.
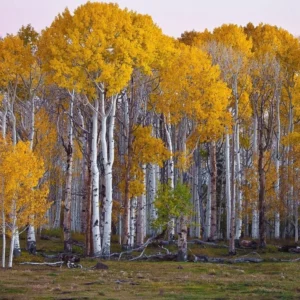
(153, 280)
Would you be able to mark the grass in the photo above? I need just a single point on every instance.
(152, 280)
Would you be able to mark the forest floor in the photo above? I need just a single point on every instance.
(126, 279)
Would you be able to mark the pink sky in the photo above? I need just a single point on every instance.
(173, 16)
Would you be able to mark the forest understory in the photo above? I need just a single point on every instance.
(125, 279)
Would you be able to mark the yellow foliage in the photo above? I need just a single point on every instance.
(145, 149)
(99, 45)
(21, 171)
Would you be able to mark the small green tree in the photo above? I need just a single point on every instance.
(171, 203)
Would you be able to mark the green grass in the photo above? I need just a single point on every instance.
(152, 280)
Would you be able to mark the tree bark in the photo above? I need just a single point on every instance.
(108, 148)
(95, 183)
(228, 191)
(213, 190)
(69, 176)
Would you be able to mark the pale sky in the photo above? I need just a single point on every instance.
(173, 16)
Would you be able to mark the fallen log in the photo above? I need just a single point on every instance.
(294, 250)
(245, 260)
(286, 248)
(51, 264)
(220, 260)
(211, 244)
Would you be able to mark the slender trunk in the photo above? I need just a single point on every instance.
(3, 225)
(14, 233)
(277, 162)
(255, 224)
(213, 191)
(152, 193)
(261, 199)
(182, 239)
(238, 162)
(31, 239)
(133, 207)
(208, 208)
(195, 179)
(95, 183)
(68, 193)
(168, 129)
(89, 213)
(232, 250)
(228, 192)
(4, 117)
(56, 223)
(255, 216)
(17, 249)
(296, 221)
(141, 214)
(108, 161)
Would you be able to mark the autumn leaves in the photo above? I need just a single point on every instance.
(133, 108)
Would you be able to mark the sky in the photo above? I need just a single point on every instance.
(172, 16)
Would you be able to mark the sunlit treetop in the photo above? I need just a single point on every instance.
(99, 45)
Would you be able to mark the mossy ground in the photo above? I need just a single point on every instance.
(153, 280)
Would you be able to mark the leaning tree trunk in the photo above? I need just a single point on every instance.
(14, 233)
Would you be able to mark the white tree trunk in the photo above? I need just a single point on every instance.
(4, 117)
(31, 239)
(170, 173)
(108, 160)
(255, 214)
(14, 234)
(152, 193)
(255, 224)
(228, 182)
(141, 214)
(68, 192)
(95, 183)
(208, 208)
(238, 185)
(238, 163)
(56, 223)
(132, 225)
(277, 163)
(195, 179)
(3, 225)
